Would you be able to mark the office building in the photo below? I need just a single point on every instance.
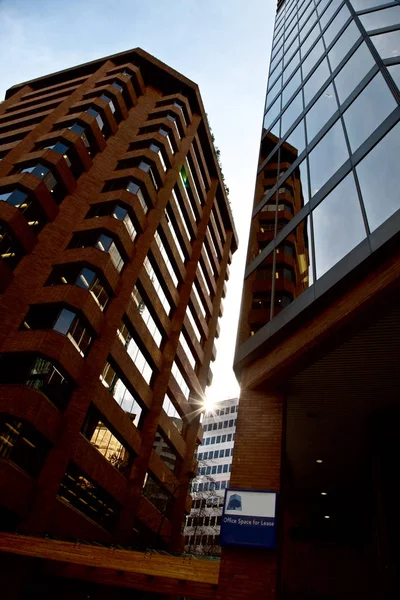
(318, 344)
(214, 459)
(116, 236)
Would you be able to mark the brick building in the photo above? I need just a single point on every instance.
(115, 239)
(318, 351)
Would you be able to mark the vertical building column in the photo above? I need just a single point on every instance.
(149, 428)
(212, 324)
(246, 573)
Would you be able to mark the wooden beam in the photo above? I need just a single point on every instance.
(140, 570)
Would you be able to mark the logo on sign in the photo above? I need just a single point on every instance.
(235, 502)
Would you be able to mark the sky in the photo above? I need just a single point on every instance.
(222, 45)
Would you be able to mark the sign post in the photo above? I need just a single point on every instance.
(249, 519)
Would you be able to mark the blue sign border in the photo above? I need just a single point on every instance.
(249, 536)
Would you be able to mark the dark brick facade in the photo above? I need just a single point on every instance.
(145, 103)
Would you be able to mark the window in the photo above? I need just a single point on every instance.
(158, 151)
(68, 323)
(227, 452)
(21, 444)
(144, 166)
(109, 102)
(117, 86)
(94, 113)
(10, 250)
(146, 316)
(118, 211)
(121, 394)
(128, 340)
(165, 133)
(80, 130)
(60, 148)
(65, 321)
(103, 242)
(97, 432)
(172, 118)
(134, 188)
(225, 469)
(88, 497)
(82, 277)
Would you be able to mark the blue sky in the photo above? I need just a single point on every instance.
(222, 45)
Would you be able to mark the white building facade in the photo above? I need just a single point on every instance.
(208, 489)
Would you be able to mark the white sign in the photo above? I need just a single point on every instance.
(256, 504)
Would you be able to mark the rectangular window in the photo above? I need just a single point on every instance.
(21, 444)
(132, 348)
(157, 285)
(134, 188)
(119, 391)
(146, 316)
(89, 497)
(101, 437)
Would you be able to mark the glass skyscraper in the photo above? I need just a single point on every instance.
(318, 348)
(327, 193)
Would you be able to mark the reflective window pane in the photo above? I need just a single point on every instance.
(293, 272)
(277, 72)
(291, 87)
(326, 158)
(291, 67)
(297, 139)
(395, 73)
(378, 177)
(308, 42)
(338, 225)
(64, 321)
(353, 72)
(368, 111)
(273, 92)
(276, 59)
(290, 39)
(272, 113)
(364, 4)
(381, 18)
(312, 58)
(316, 81)
(387, 44)
(321, 112)
(343, 45)
(333, 6)
(336, 25)
(297, 180)
(291, 113)
(308, 13)
(321, 6)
